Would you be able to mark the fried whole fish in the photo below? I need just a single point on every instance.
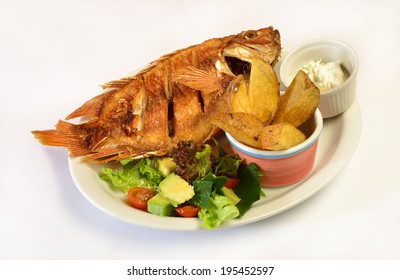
(173, 99)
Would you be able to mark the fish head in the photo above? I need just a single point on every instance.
(237, 54)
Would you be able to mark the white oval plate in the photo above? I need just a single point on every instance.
(338, 141)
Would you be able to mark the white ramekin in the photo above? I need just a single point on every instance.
(337, 100)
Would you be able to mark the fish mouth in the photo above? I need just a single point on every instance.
(237, 59)
(238, 66)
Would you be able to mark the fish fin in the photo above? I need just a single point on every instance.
(120, 152)
(65, 135)
(198, 79)
(214, 132)
(106, 155)
(91, 108)
(118, 83)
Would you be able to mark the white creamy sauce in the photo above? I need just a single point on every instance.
(325, 76)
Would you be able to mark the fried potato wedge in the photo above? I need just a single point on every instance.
(244, 127)
(261, 96)
(299, 102)
(281, 136)
(240, 99)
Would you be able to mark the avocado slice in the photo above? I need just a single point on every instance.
(159, 205)
(229, 193)
(165, 165)
(176, 189)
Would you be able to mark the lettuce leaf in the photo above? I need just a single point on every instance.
(222, 210)
(192, 160)
(203, 188)
(227, 165)
(202, 193)
(146, 168)
(203, 163)
(217, 181)
(249, 188)
(133, 174)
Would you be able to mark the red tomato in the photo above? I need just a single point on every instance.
(232, 183)
(188, 210)
(139, 196)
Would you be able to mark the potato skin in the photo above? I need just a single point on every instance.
(299, 102)
(260, 95)
(244, 127)
(280, 136)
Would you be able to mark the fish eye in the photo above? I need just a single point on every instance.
(250, 35)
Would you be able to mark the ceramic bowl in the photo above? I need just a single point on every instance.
(334, 101)
(282, 168)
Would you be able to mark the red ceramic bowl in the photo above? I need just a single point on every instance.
(282, 168)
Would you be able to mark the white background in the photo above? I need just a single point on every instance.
(53, 56)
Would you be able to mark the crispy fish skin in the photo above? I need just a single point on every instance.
(175, 98)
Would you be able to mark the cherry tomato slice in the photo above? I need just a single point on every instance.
(232, 183)
(188, 210)
(139, 196)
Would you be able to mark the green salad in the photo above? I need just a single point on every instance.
(191, 182)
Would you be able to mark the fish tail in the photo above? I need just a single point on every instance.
(65, 135)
